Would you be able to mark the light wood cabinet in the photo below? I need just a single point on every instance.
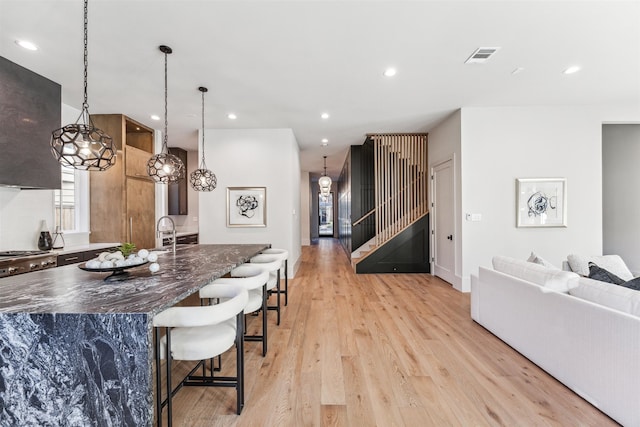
(123, 197)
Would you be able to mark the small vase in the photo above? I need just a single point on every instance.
(44, 241)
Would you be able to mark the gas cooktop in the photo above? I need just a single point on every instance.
(21, 253)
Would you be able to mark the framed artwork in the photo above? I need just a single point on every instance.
(246, 206)
(541, 202)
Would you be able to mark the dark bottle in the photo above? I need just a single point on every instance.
(44, 241)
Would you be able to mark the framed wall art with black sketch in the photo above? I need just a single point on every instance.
(246, 206)
(541, 202)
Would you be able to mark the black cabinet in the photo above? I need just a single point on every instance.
(82, 256)
(189, 239)
(178, 191)
(30, 107)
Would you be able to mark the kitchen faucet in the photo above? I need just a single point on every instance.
(173, 230)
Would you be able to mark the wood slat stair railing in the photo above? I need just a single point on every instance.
(401, 179)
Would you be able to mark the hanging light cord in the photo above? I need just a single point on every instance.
(85, 104)
(84, 114)
(165, 147)
(202, 164)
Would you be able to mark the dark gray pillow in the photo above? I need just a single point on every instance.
(599, 273)
(632, 284)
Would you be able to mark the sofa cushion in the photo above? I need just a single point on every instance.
(612, 263)
(534, 258)
(598, 273)
(609, 295)
(556, 280)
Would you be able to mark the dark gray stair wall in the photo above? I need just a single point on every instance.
(408, 252)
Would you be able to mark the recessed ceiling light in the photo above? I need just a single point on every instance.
(325, 116)
(572, 69)
(231, 116)
(389, 72)
(154, 117)
(26, 44)
(325, 141)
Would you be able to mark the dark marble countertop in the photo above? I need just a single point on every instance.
(69, 289)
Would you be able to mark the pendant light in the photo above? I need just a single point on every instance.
(325, 182)
(81, 145)
(203, 179)
(165, 168)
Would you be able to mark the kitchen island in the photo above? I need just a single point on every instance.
(76, 350)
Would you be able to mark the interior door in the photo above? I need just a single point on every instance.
(444, 238)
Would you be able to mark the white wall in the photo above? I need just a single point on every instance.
(254, 158)
(492, 147)
(620, 198)
(445, 143)
(502, 144)
(305, 209)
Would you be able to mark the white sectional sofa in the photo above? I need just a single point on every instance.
(591, 348)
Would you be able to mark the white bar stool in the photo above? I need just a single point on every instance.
(200, 333)
(272, 264)
(284, 256)
(254, 280)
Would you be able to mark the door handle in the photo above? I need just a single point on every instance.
(450, 237)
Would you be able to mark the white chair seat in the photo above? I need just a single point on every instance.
(253, 278)
(199, 333)
(273, 281)
(272, 264)
(201, 342)
(255, 301)
(283, 254)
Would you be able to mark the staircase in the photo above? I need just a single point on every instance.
(396, 225)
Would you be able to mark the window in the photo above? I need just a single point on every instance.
(325, 211)
(65, 201)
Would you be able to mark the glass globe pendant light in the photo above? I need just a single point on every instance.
(165, 168)
(81, 145)
(325, 182)
(202, 179)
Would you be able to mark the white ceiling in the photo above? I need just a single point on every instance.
(281, 64)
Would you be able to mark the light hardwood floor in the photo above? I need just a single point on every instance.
(381, 350)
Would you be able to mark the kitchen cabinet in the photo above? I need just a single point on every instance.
(187, 239)
(123, 197)
(177, 197)
(30, 109)
(80, 256)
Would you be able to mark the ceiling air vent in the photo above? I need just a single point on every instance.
(482, 54)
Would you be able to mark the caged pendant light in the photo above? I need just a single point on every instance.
(325, 182)
(202, 179)
(165, 168)
(81, 145)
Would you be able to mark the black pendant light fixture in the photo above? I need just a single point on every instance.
(325, 181)
(81, 145)
(165, 168)
(202, 179)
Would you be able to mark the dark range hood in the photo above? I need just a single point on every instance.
(30, 109)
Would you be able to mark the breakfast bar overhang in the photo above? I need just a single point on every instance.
(77, 350)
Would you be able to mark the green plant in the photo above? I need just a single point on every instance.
(127, 249)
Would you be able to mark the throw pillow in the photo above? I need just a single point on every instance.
(599, 273)
(613, 263)
(539, 260)
(632, 284)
